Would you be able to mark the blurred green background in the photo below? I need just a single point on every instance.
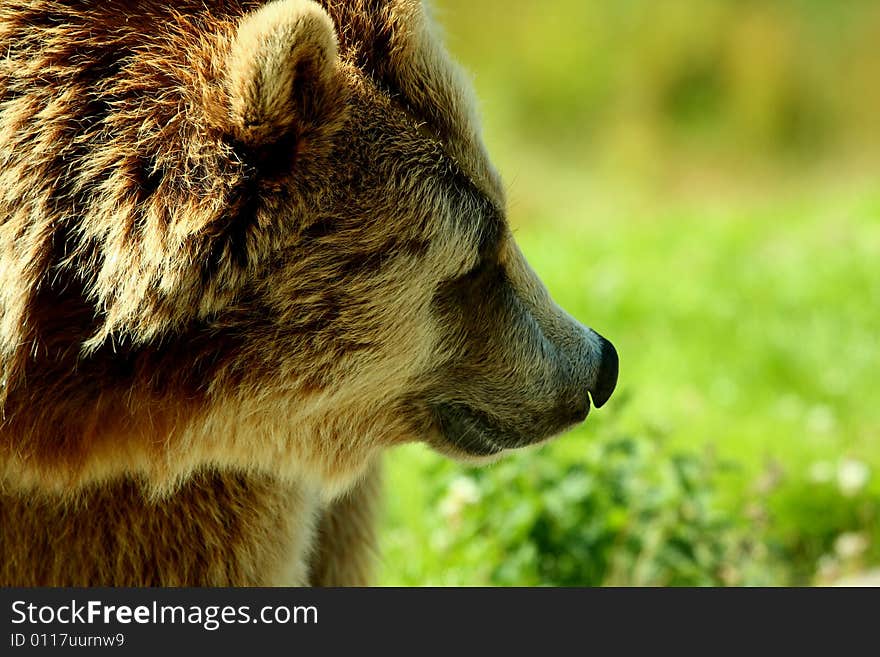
(697, 180)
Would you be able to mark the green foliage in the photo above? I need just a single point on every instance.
(637, 79)
(629, 510)
(622, 510)
(625, 514)
(827, 521)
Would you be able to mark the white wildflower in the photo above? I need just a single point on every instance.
(850, 545)
(462, 492)
(852, 476)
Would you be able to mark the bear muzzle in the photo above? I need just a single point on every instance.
(591, 371)
(480, 430)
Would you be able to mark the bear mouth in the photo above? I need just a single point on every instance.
(477, 434)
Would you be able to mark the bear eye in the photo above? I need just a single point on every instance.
(489, 231)
(477, 216)
(425, 130)
(488, 249)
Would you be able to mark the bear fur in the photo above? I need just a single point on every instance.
(245, 248)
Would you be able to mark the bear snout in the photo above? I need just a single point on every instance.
(590, 371)
(606, 376)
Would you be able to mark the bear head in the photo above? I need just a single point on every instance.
(261, 236)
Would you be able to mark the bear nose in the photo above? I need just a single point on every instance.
(606, 378)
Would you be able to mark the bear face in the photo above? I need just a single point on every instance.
(263, 237)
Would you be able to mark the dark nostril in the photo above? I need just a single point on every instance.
(606, 379)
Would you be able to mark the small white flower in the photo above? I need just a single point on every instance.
(466, 489)
(850, 545)
(462, 492)
(852, 475)
(828, 568)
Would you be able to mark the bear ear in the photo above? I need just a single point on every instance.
(282, 73)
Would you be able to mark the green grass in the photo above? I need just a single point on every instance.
(754, 328)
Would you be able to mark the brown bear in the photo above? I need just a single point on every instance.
(246, 247)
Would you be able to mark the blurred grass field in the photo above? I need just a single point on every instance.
(697, 181)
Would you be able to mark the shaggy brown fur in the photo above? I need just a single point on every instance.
(184, 540)
(244, 248)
